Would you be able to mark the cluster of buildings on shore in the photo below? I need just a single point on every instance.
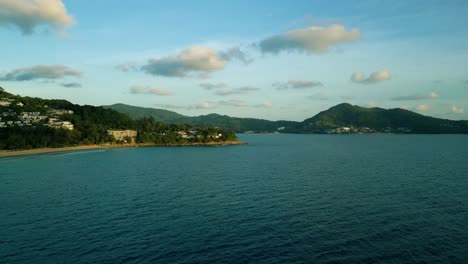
(11, 118)
(129, 136)
(366, 130)
(194, 134)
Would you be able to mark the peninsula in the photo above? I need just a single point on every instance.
(34, 125)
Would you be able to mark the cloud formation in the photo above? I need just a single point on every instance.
(457, 110)
(204, 105)
(423, 108)
(432, 95)
(297, 84)
(315, 39)
(137, 89)
(191, 60)
(235, 53)
(213, 86)
(71, 85)
(40, 72)
(241, 90)
(28, 14)
(375, 77)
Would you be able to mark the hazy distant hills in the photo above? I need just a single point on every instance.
(342, 115)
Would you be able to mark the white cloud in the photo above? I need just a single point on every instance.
(423, 108)
(137, 89)
(213, 86)
(375, 77)
(191, 60)
(432, 95)
(241, 90)
(315, 39)
(28, 14)
(297, 84)
(457, 109)
(40, 72)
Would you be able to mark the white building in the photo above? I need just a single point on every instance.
(61, 112)
(56, 123)
(4, 103)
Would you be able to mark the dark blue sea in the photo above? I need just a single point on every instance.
(279, 199)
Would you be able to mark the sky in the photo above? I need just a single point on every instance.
(277, 60)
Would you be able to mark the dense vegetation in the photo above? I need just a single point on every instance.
(91, 125)
(342, 115)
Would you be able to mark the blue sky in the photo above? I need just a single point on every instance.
(272, 59)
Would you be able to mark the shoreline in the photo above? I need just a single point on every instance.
(39, 151)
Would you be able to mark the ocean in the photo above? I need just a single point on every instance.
(279, 199)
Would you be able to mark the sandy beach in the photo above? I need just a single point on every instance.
(38, 151)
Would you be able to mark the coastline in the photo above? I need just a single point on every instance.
(39, 151)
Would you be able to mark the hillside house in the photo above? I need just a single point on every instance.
(5, 102)
(61, 112)
(56, 123)
(216, 136)
(120, 135)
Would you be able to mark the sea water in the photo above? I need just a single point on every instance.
(279, 199)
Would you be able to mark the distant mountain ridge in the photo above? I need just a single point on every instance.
(340, 116)
(223, 121)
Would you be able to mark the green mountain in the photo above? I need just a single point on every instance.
(141, 112)
(358, 119)
(223, 121)
(380, 120)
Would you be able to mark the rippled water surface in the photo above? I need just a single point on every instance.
(280, 199)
